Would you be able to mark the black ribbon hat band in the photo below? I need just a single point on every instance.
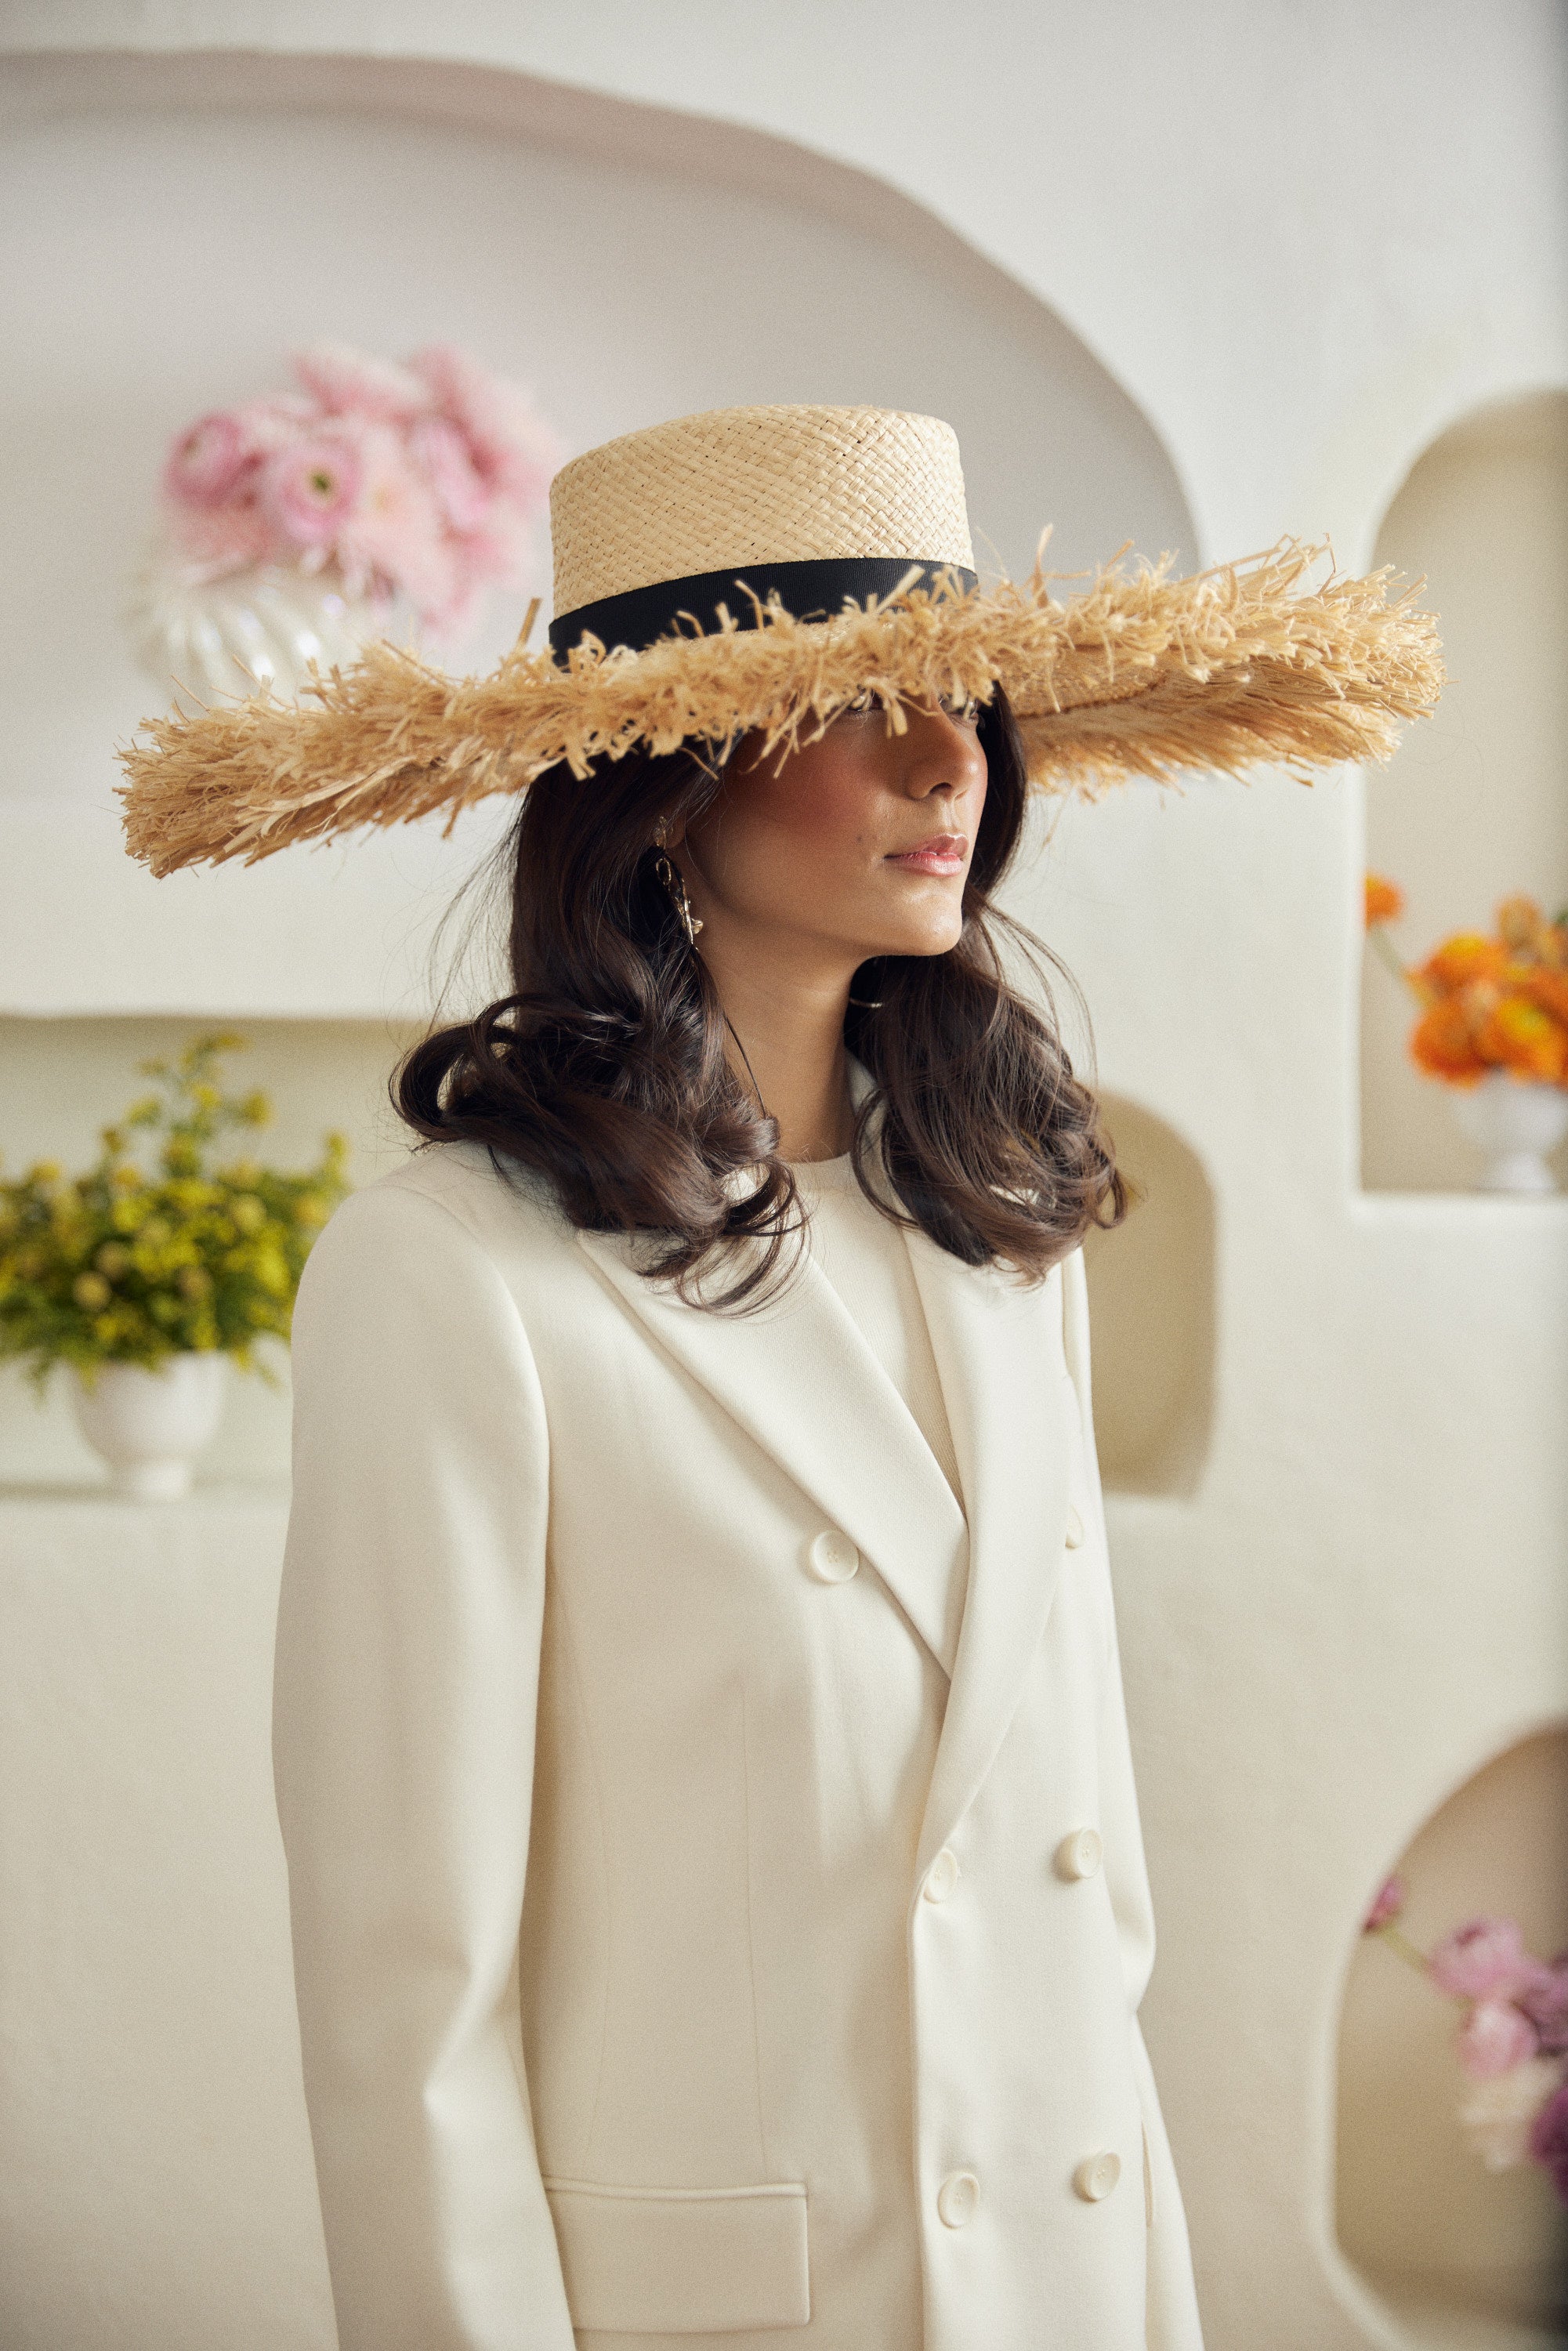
(811, 591)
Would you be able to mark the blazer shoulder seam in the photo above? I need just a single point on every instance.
(446, 1188)
(395, 1184)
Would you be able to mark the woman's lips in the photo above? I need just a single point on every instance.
(942, 854)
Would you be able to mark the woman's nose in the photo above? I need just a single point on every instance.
(944, 755)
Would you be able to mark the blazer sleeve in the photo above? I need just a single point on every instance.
(404, 1710)
(1172, 2319)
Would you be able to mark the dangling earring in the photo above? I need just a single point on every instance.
(674, 882)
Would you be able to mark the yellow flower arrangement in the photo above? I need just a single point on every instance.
(1488, 1003)
(125, 1266)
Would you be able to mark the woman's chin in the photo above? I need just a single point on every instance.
(930, 942)
(937, 932)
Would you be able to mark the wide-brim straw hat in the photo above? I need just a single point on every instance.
(761, 569)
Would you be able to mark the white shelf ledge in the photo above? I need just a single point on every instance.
(23, 1497)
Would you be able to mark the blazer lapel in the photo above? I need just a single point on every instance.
(1003, 1381)
(799, 1378)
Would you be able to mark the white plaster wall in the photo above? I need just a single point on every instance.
(1304, 237)
(1306, 240)
(145, 1947)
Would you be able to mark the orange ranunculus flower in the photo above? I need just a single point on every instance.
(1465, 957)
(1517, 1035)
(1385, 901)
(1442, 1044)
(1522, 925)
(1551, 944)
(1518, 920)
(1548, 988)
(1529, 936)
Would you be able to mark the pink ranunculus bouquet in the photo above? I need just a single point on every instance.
(422, 480)
(1511, 2039)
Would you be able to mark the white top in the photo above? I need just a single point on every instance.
(863, 1256)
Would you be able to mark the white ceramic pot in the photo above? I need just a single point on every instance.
(150, 1425)
(1514, 1124)
(266, 626)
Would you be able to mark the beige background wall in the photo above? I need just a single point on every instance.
(1241, 266)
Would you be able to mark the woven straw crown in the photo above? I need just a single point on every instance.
(742, 485)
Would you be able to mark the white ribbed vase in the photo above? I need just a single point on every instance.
(1514, 1125)
(150, 1425)
(202, 638)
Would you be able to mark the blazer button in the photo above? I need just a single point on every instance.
(941, 1877)
(959, 2199)
(1080, 1855)
(832, 1559)
(1096, 2176)
(1074, 1527)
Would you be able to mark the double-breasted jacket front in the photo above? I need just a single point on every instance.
(719, 1900)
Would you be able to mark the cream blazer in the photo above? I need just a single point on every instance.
(719, 1900)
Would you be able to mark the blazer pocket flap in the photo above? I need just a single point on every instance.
(682, 2261)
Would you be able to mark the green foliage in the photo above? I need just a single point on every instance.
(131, 1265)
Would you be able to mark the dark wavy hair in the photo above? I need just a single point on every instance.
(605, 1068)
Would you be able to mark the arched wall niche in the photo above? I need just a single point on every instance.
(169, 228)
(630, 263)
(1453, 2253)
(702, 150)
(1474, 806)
(61, 1080)
(1151, 1290)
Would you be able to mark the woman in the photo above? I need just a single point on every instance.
(718, 1891)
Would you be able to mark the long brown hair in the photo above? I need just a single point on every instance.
(605, 1069)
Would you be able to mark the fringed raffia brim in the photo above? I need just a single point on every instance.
(1138, 675)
